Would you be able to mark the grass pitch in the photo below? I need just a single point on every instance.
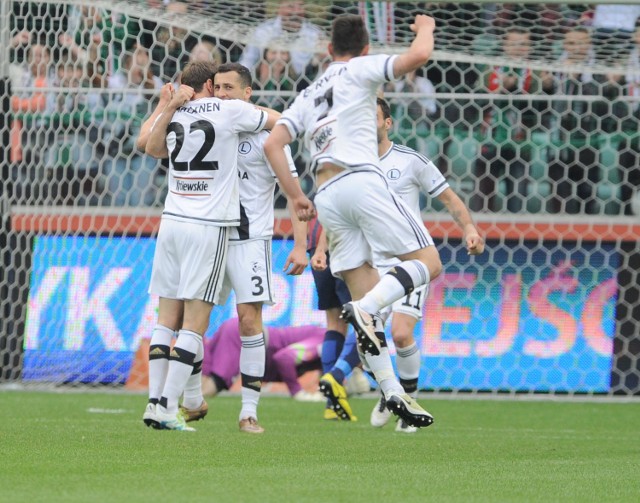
(93, 447)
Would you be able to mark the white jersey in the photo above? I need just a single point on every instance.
(337, 113)
(409, 173)
(257, 187)
(202, 140)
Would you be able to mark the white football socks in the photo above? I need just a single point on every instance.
(410, 274)
(181, 361)
(408, 362)
(192, 398)
(252, 365)
(159, 347)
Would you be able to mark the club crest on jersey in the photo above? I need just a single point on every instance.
(393, 174)
(244, 147)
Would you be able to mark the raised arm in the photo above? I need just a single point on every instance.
(420, 49)
(166, 93)
(157, 138)
(461, 215)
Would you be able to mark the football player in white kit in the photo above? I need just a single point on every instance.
(248, 270)
(200, 135)
(361, 216)
(409, 174)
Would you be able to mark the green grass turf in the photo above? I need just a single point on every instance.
(53, 448)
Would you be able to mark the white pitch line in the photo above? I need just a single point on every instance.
(94, 410)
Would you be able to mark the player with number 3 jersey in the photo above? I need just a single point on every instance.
(248, 270)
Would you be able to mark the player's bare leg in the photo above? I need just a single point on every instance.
(252, 364)
(429, 256)
(417, 268)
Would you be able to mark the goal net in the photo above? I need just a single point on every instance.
(531, 111)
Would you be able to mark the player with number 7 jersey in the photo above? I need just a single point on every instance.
(360, 215)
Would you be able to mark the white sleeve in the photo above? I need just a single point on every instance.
(292, 118)
(249, 119)
(372, 71)
(428, 176)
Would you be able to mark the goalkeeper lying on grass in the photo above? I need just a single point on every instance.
(291, 351)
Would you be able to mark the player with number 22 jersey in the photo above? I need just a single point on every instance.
(202, 140)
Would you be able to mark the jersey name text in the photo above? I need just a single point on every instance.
(200, 109)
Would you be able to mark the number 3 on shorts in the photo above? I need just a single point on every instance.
(257, 283)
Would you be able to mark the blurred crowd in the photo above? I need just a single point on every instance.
(513, 137)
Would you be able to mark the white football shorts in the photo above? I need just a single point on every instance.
(248, 272)
(189, 261)
(362, 217)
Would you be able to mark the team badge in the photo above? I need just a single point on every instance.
(393, 174)
(244, 147)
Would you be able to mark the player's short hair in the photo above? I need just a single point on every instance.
(384, 106)
(196, 74)
(241, 70)
(349, 35)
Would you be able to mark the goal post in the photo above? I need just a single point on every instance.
(550, 307)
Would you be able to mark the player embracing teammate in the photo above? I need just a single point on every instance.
(200, 134)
